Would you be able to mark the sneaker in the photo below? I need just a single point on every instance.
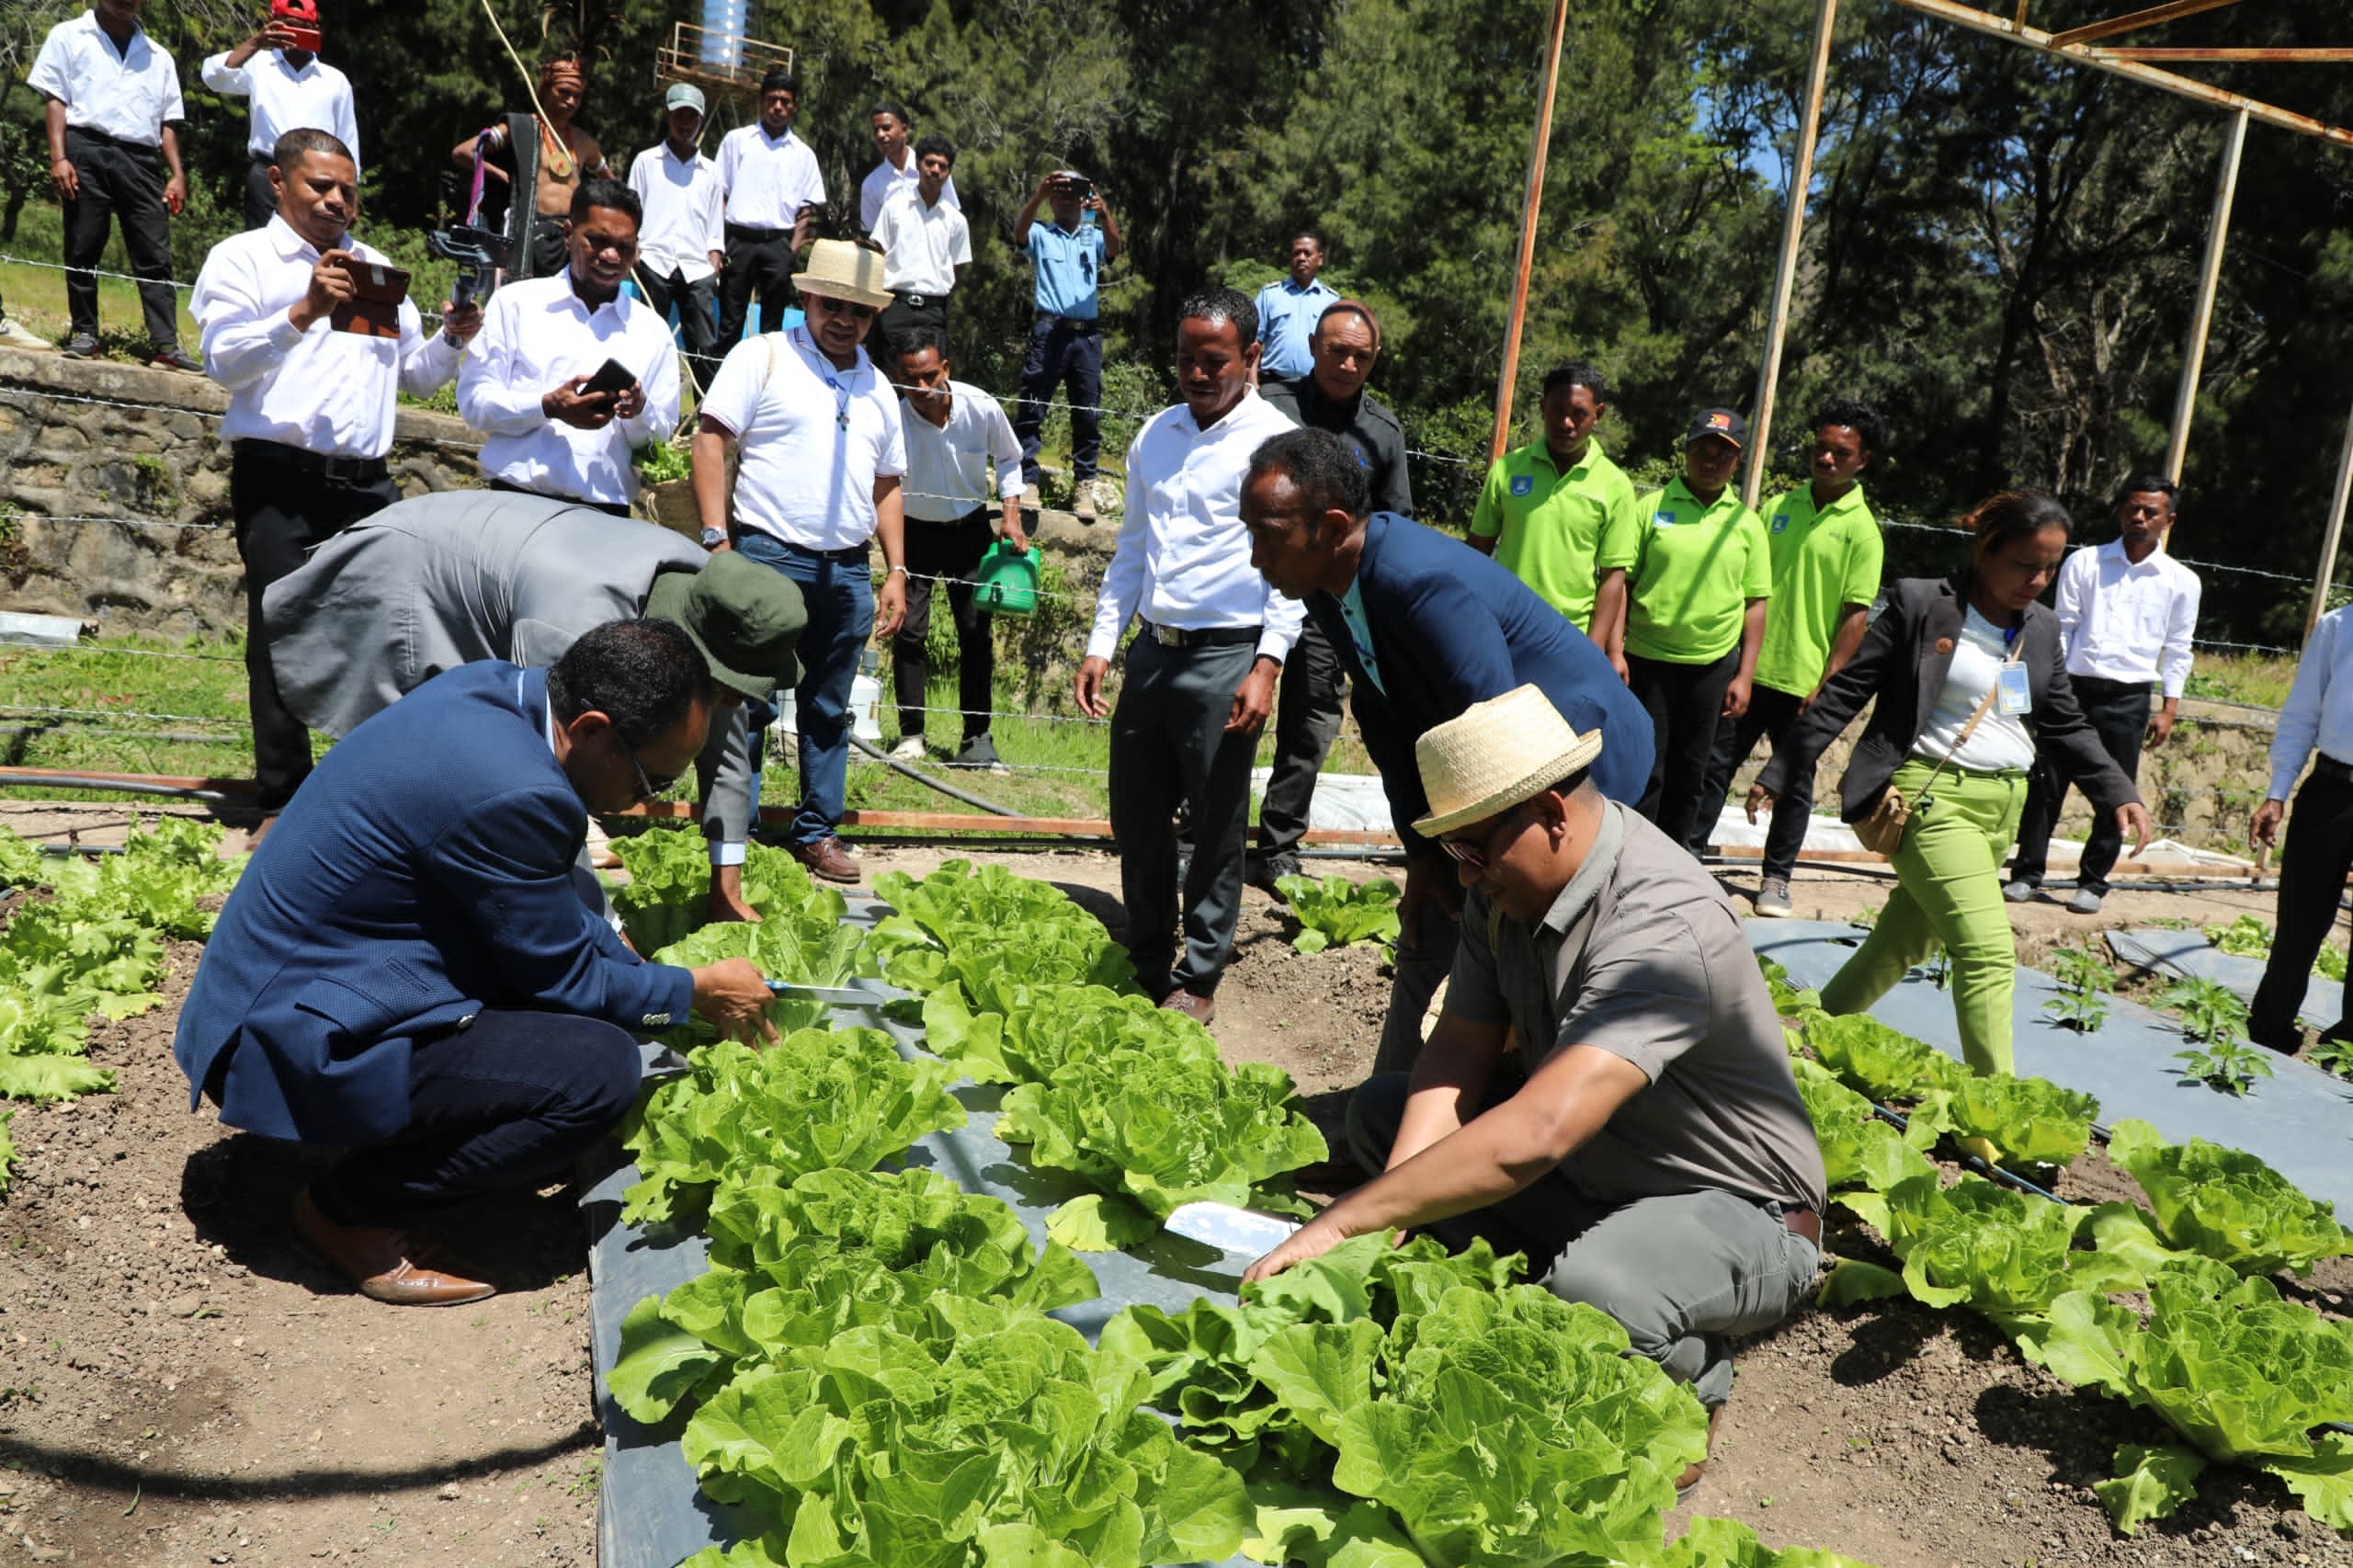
(2018, 892)
(81, 345)
(15, 334)
(909, 749)
(2086, 902)
(1081, 504)
(980, 752)
(173, 359)
(1773, 898)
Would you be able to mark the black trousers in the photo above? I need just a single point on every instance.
(119, 180)
(2314, 859)
(506, 1102)
(2118, 711)
(696, 329)
(1169, 748)
(952, 550)
(1770, 714)
(1684, 703)
(284, 508)
(757, 259)
(1307, 715)
(899, 317)
(1066, 355)
(261, 201)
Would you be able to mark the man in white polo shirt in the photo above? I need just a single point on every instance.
(1200, 675)
(292, 89)
(312, 382)
(772, 183)
(893, 126)
(954, 431)
(925, 245)
(681, 243)
(2127, 611)
(532, 382)
(819, 480)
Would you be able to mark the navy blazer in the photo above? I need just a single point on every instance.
(422, 873)
(1452, 627)
(1903, 662)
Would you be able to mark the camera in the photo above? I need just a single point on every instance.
(478, 253)
(1078, 185)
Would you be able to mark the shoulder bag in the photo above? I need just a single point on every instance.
(1882, 831)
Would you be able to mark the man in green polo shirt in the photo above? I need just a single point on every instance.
(1692, 569)
(1546, 505)
(1827, 553)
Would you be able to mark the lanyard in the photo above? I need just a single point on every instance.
(825, 370)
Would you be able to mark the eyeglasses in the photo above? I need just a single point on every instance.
(648, 786)
(832, 306)
(1477, 855)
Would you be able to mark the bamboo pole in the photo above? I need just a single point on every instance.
(1777, 320)
(1529, 209)
(2326, 571)
(2201, 316)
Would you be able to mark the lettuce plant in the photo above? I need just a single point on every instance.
(2029, 1121)
(992, 933)
(2227, 1205)
(1877, 1060)
(1043, 1029)
(1336, 911)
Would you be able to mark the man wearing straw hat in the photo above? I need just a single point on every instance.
(822, 455)
(1607, 1088)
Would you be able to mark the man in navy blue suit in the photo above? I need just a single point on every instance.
(407, 971)
(1427, 626)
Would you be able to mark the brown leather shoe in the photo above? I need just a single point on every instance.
(1200, 1009)
(1688, 1482)
(386, 1263)
(827, 860)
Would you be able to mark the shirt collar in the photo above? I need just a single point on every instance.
(1600, 864)
(1227, 421)
(287, 243)
(773, 141)
(2152, 563)
(1676, 487)
(138, 34)
(571, 299)
(310, 66)
(822, 366)
(1537, 451)
(1849, 501)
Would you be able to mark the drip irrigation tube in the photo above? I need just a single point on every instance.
(32, 780)
(953, 793)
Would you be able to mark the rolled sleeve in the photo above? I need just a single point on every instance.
(1646, 999)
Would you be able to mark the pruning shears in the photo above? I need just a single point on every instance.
(832, 995)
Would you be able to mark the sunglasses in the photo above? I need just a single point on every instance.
(648, 786)
(1478, 854)
(834, 307)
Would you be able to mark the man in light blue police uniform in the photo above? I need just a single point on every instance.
(1290, 307)
(1065, 342)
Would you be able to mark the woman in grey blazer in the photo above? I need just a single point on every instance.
(1930, 658)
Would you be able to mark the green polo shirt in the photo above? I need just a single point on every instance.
(1690, 572)
(1823, 562)
(1547, 525)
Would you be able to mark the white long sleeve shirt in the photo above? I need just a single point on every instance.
(2126, 622)
(129, 94)
(948, 465)
(536, 335)
(327, 392)
(1183, 559)
(2319, 710)
(685, 212)
(923, 244)
(882, 180)
(317, 98)
(768, 179)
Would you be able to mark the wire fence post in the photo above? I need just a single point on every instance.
(2326, 571)
(1529, 208)
(1785, 275)
(2193, 358)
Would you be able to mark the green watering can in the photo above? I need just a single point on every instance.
(1007, 580)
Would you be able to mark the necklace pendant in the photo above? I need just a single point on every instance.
(842, 420)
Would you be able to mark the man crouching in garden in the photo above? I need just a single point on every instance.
(1607, 1087)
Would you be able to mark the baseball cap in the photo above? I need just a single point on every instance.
(1721, 422)
(747, 618)
(683, 94)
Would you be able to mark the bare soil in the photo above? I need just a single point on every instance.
(180, 1384)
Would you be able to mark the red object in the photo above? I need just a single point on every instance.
(299, 17)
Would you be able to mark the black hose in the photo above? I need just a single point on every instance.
(122, 787)
(953, 793)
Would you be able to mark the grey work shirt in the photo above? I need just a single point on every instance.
(1664, 980)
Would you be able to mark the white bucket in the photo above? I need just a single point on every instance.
(865, 699)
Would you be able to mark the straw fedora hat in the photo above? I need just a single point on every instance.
(840, 270)
(1494, 754)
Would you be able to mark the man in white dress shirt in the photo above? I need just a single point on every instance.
(954, 432)
(531, 381)
(773, 186)
(112, 102)
(292, 89)
(897, 171)
(925, 245)
(822, 453)
(312, 378)
(2315, 724)
(1201, 674)
(681, 245)
(2127, 611)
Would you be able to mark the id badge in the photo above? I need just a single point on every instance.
(2014, 698)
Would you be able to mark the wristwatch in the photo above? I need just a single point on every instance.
(714, 538)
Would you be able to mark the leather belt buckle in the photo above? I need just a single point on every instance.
(1168, 636)
(914, 301)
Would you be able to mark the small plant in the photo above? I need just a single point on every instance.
(2334, 1056)
(2084, 980)
(2225, 1066)
(2210, 1012)
(2248, 937)
(1336, 911)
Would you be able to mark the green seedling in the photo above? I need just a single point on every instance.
(2225, 1066)
(2085, 981)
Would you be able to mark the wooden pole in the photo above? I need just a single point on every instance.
(2335, 530)
(1529, 209)
(2193, 357)
(1777, 320)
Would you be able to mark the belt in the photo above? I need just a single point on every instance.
(752, 232)
(350, 470)
(2327, 766)
(1207, 637)
(847, 553)
(1085, 324)
(106, 138)
(917, 301)
(261, 157)
(1804, 1223)
(2105, 684)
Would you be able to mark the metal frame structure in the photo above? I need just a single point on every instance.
(2079, 46)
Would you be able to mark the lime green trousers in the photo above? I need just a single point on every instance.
(1948, 894)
